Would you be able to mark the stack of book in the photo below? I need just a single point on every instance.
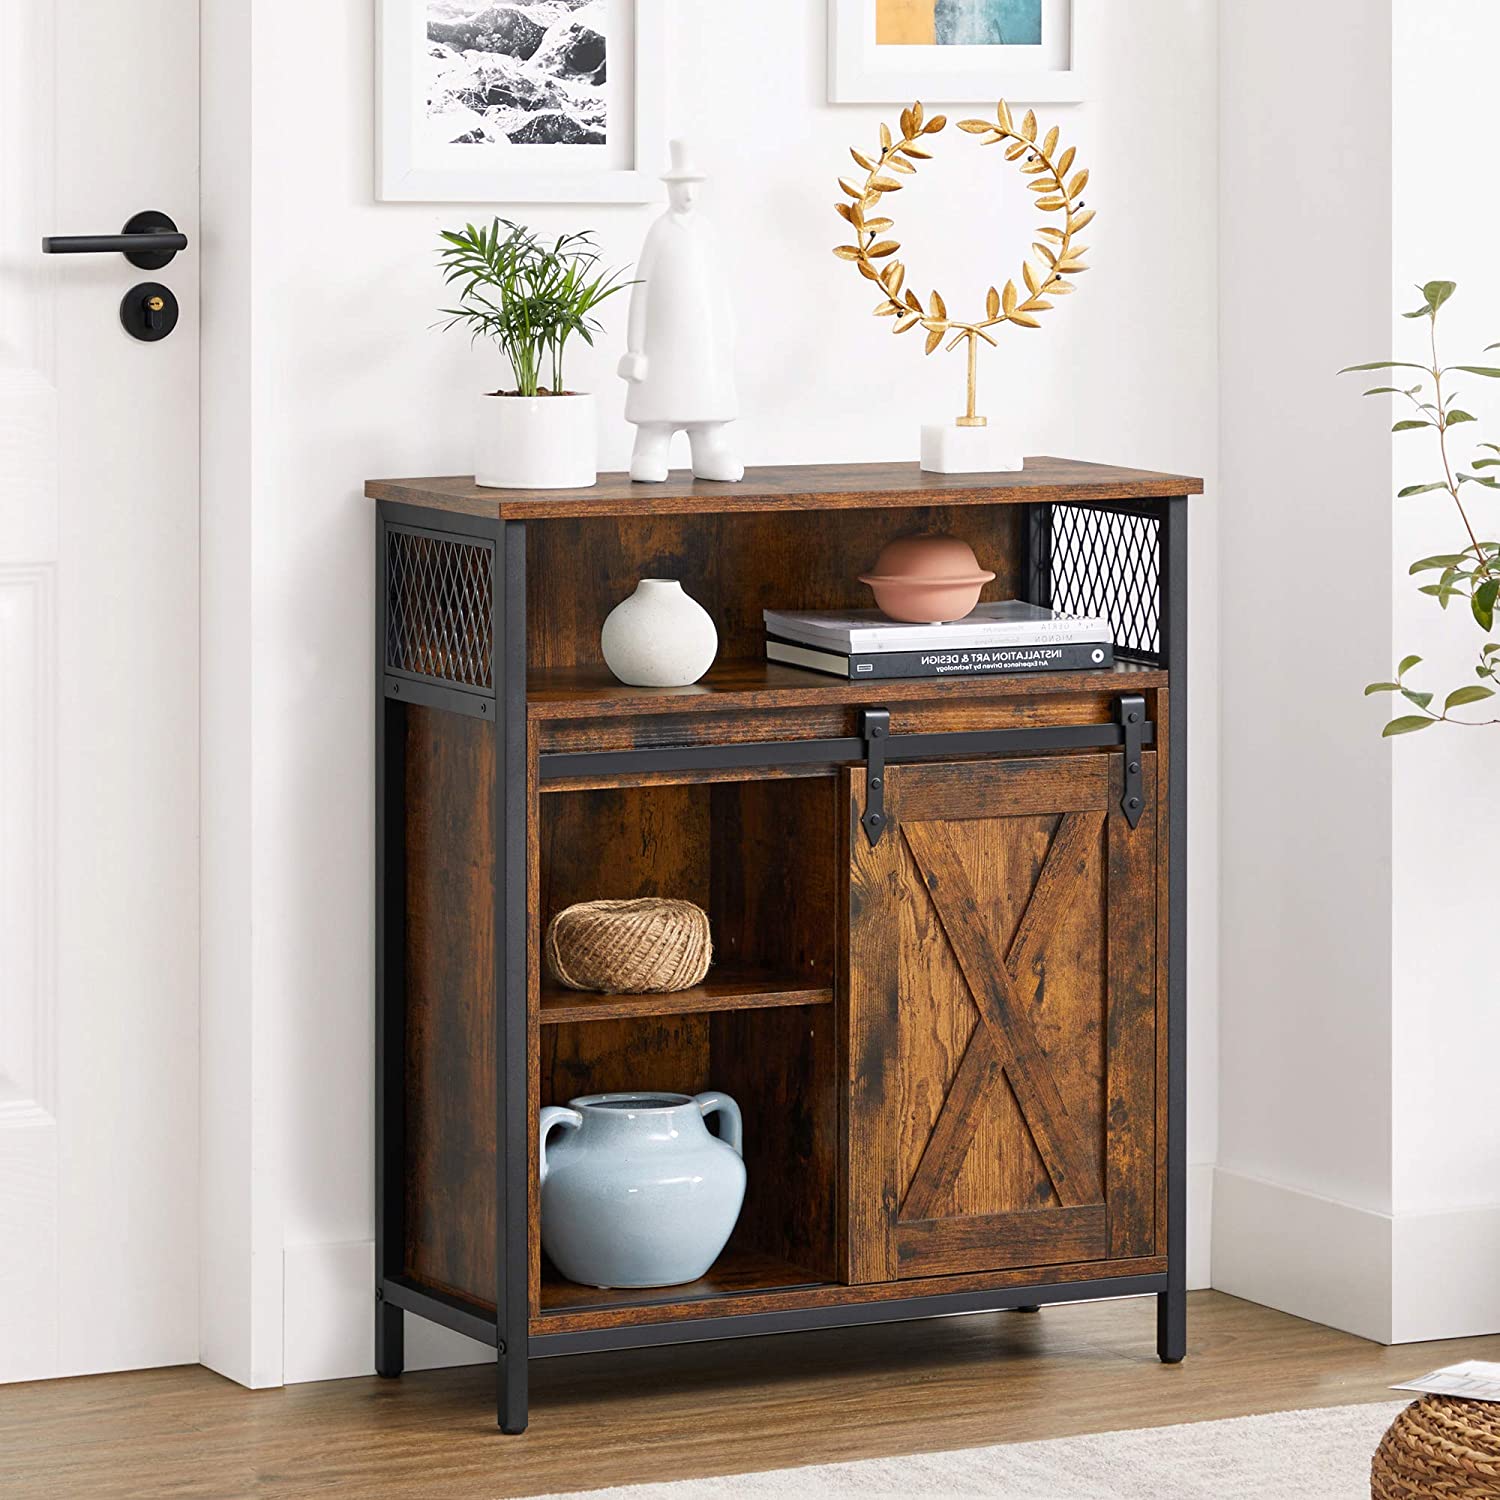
(1008, 636)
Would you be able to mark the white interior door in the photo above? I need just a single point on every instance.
(98, 697)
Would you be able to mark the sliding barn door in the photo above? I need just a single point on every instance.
(1001, 981)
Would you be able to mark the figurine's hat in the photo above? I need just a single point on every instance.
(682, 169)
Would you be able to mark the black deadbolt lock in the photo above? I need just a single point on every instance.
(149, 311)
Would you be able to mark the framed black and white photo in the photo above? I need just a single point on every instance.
(894, 51)
(520, 101)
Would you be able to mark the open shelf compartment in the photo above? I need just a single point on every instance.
(780, 1067)
(760, 857)
(757, 855)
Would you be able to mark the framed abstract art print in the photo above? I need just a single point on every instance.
(1026, 51)
(520, 101)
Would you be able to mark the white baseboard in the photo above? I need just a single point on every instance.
(1396, 1279)
(1446, 1274)
(1318, 1259)
(1200, 1209)
(329, 1319)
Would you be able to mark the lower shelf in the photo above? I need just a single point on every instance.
(736, 1272)
(1114, 1278)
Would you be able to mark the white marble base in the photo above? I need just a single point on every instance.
(949, 449)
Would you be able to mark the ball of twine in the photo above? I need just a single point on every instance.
(646, 946)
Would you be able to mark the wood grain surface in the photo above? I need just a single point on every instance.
(1005, 1080)
(723, 989)
(736, 567)
(655, 1415)
(738, 1270)
(790, 488)
(755, 686)
(719, 1305)
(450, 1003)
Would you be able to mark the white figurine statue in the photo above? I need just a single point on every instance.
(680, 340)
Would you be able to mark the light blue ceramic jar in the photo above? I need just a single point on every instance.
(637, 1192)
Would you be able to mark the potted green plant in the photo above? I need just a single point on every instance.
(1472, 573)
(530, 298)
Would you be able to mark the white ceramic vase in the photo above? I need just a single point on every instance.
(635, 1191)
(659, 636)
(535, 442)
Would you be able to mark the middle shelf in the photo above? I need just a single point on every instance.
(723, 989)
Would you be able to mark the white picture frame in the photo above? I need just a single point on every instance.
(411, 169)
(861, 71)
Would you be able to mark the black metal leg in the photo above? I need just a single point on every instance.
(514, 1410)
(1171, 1322)
(390, 1339)
(1028, 1307)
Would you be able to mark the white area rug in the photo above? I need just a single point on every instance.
(1291, 1455)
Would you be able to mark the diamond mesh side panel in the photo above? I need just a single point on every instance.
(438, 610)
(1108, 563)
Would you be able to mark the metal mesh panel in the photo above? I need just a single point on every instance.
(1108, 563)
(438, 612)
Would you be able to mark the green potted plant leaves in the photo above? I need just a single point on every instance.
(530, 298)
(1473, 572)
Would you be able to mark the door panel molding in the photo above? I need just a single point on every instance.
(1054, 1236)
(993, 991)
(28, 911)
(28, 974)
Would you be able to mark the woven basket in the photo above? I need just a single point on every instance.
(1439, 1447)
(646, 946)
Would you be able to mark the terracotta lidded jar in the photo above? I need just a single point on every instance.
(928, 579)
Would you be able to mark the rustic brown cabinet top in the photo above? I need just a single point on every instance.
(792, 487)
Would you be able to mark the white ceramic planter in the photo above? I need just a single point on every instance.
(635, 1191)
(535, 442)
(659, 636)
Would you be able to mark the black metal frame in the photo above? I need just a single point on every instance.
(1171, 1304)
(560, 766)
(513, 1253)
(507, 1330)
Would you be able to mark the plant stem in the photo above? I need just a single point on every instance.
(1437, 384)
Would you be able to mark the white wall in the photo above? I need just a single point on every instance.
(1305, 230)
(348, 381)
(1359, 1167)
(1446, 802)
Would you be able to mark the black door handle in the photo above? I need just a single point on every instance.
(149, 240)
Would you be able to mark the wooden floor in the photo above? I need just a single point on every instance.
(686, 1412)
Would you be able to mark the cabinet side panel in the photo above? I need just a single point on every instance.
(450, 1002)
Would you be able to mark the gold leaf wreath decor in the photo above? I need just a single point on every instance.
(1057, 257)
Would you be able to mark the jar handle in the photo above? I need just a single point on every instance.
(553, 1114)
(733, 1127)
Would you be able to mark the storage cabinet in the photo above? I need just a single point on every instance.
(947, 915)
